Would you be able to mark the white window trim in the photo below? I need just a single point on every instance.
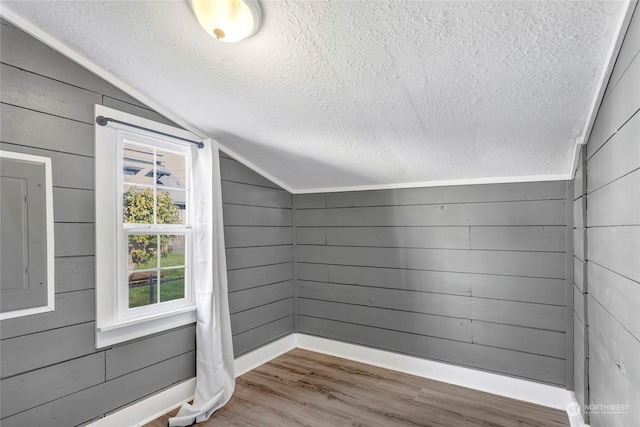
(49, 224)
(111, 327)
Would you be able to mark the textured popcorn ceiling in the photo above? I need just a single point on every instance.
(359, 93)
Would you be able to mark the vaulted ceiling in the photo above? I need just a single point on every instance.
(361, 94)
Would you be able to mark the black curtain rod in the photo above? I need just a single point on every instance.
(102, 121)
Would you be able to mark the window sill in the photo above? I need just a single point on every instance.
(114, 334)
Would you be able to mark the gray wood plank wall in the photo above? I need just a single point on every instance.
(470, 275)
(49, 363)
(258, 237)
(610, 276)
(51, 373)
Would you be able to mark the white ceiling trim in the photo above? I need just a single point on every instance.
(59, 46)
(444, 183)
(612, 55)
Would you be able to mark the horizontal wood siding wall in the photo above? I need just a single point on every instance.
(469, 275)
(51, 372)
(258, 237)
(613, 236)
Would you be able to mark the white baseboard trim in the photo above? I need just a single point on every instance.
(264, 354)
(151, 408)
(515, 388)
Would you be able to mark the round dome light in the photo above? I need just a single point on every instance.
(228, 20)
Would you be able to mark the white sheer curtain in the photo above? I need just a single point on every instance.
(215, 377)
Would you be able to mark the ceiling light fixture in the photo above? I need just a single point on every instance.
(228, 20)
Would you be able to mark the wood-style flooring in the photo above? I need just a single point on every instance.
(303, 388)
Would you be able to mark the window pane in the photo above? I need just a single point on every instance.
(143, 251)
(143, 288)
(170, 170)
(172, 284)
(171, 188)
(172, 251)
(137, 164)
(137, 205)
(171, 207)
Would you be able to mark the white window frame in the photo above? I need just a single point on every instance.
(115, 322)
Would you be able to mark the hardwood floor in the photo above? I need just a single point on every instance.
(303, 388)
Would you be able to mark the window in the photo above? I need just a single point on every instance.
(155, 225)
(144, 242)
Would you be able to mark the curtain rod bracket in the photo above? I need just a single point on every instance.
(102, 121)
